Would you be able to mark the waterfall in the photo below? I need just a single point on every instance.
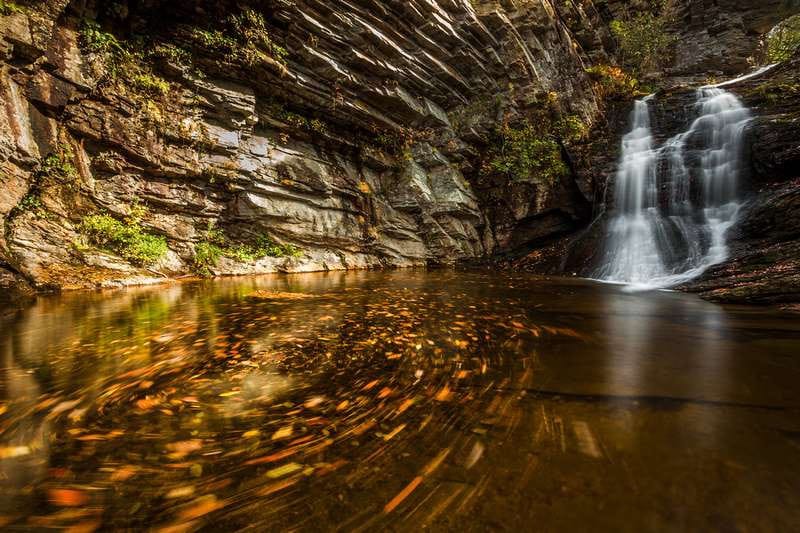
(632, 240)
(675, 203)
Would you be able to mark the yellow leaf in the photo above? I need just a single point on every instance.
(284, 470)
(180, 492)
(283, 433)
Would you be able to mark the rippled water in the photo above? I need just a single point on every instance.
(398, 400)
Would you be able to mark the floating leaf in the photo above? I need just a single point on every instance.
(284, 470)
(202, 506)
(67, 497)
(283, 433)
(402, 495)
(180, 492)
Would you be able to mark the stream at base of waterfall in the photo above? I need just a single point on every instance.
(674, 205)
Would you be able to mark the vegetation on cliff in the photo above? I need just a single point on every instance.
(532, 148)
(126, 238)
(643, 40)
(216, 245)
(613, 83)
(124, 64)
(245, 40)
(783, 41)
(55, 168)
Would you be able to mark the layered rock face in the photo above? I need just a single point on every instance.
(712, 38)
(353, 132)
(718, 37)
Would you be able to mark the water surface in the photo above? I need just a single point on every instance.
(399, 400)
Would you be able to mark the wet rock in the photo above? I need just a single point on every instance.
(14, 288)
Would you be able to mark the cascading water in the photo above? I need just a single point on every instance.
(632, 244)
(674, 205)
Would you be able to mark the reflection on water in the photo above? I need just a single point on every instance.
(367, 400)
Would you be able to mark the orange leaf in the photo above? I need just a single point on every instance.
(67, 497)
(402, 495)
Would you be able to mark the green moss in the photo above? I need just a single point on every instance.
(215, 245)
(261, 247)
(570, 128)
(148, 83)
(125, 237)
(9, 8)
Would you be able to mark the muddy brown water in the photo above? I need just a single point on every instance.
(398, 401)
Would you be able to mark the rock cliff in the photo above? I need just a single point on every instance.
(144, 140)
(349, 134)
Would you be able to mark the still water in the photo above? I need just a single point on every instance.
(400, 400)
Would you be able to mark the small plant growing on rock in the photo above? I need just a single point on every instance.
(172, 53)
(784, 39)
(613, 83)
(643, 40)
(247, 41)
(30, 202)
(97, 41)
(252, 29)
(206, 256)
(58, 165)
(125, 237)
(121, 62)
(523, 151)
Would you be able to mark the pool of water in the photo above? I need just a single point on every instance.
(399, 400)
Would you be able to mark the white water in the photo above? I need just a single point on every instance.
(676, 202)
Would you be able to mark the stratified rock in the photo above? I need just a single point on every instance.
(347, 151)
